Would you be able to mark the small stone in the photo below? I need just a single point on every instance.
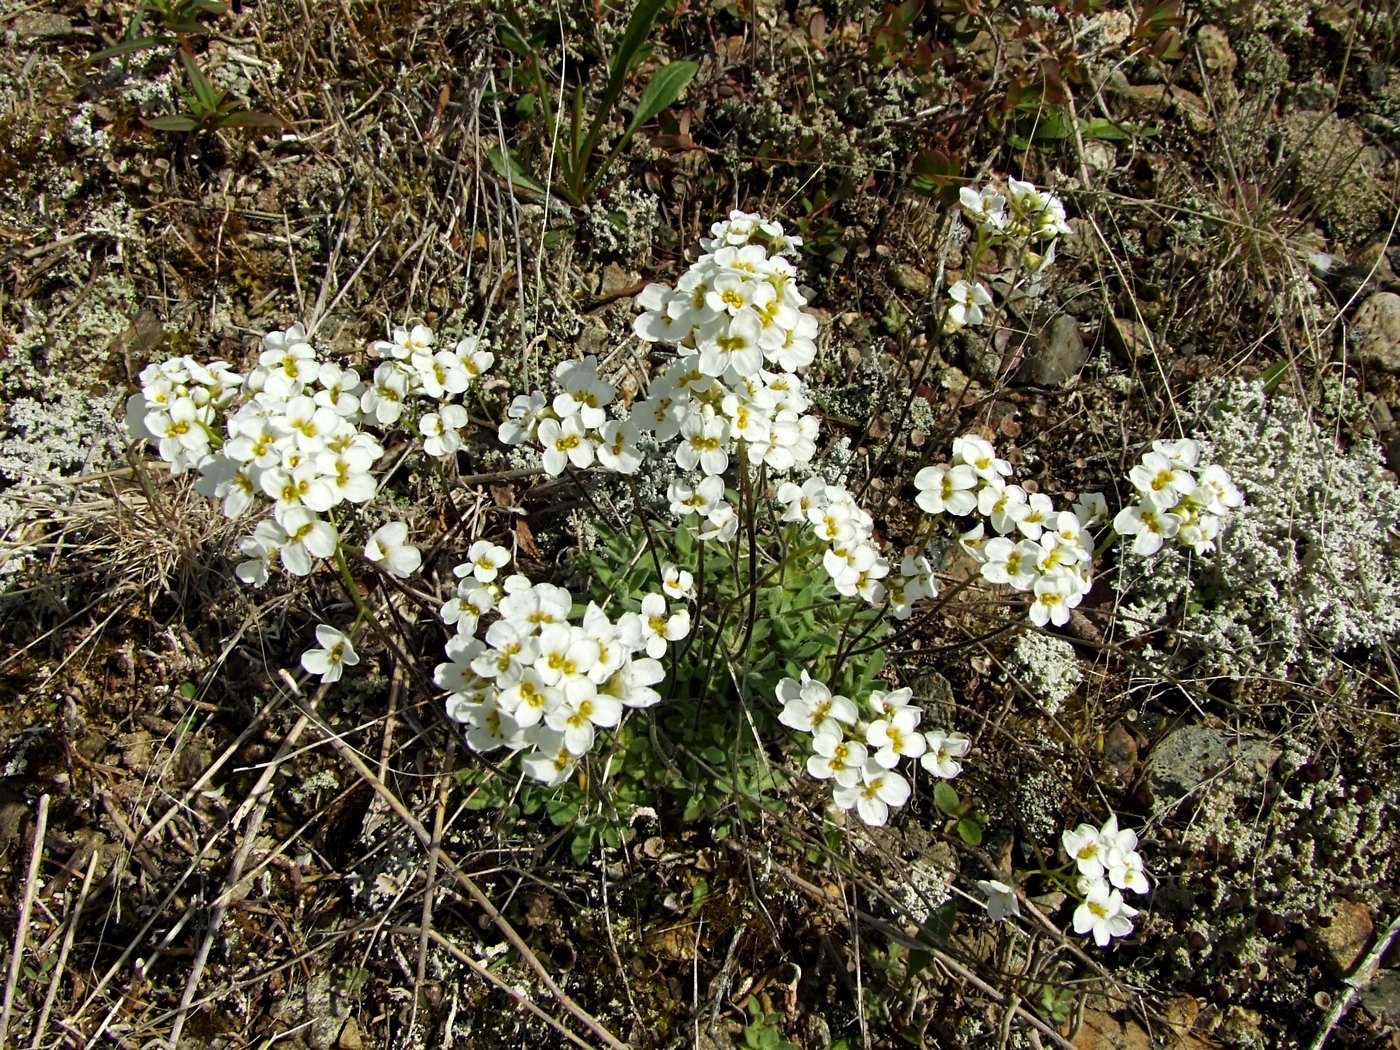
(40, 25)
(1185, 759)
(1130, 340)
(1345, 937)
(350, 1036)
(1060, 356)
(910, 279)
(616, 280)
(1376, 329)
(1100, 157)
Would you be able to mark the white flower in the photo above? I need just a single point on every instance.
(440, 430)
(677, 582)
(897, 737)
(307, 537)
(658, 627)
(406, 342)
(1103, 914)
(1001, 899)
(878, 791)
(584, 394)
(565, 443)
(950, 489)
(944, 751)
(1150, 525)
(617, 447)
(704, 442)
(390, 550)
(485, 560)
(808, 705)
(1054, 597)
(1162, 480)
(1091, 509)
(979, 454)
(335, 654)
(968, 300)
(836, 757)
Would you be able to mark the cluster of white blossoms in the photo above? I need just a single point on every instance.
(1029, 217)
(288, 438)
(574, 427)
(1108, 863)
(1178, 498)
(737, 323)
(860, 752)
(852, 557)
(1037, 550)
(540, 681)
(410, 366)
(179, 407)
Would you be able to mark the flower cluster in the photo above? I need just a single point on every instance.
(1037, 549)
(411, 367)
(1022, 214)
(1178, 498)
(540, 680)
(743, 228)
(852, 557)
(288, 436)
(179, 407)
(861, 752)
(1107, 863)
(574, 427)
(736, 320)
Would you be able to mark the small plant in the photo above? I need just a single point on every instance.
(178, 19)
(208, 108)
(575, 135)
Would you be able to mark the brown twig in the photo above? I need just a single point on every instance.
(36, 854)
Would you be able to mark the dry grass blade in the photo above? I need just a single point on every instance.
(260, 795)
(31, 884)
(425, 839)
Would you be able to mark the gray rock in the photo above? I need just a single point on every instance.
(41, 25)
(1188, 757)
(1057, 358)
(1382, 997)
(1376, 329)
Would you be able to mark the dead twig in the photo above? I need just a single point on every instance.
(31, 880)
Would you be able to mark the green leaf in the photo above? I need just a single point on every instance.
(582, 845)
(188, 690)
(1273, 376)
(939, 925)
(205, 93)
(970, 831)
(1105, 130)
(946, 799)
(173, 122)
(507, 165)
(664, 89)
(126, 47)
(634, 37)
